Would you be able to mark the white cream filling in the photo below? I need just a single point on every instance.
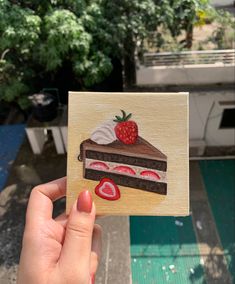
(137, 169)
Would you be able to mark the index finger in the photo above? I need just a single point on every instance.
(40, 206)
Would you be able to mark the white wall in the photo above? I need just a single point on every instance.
(222, 2)
(205, 111)
(188, 74)
(205, 115)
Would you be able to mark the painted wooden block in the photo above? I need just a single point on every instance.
(131, 151)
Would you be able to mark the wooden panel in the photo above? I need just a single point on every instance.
(162, 120)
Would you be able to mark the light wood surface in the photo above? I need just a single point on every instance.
(162, 120)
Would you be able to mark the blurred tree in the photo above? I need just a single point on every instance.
(132, 22)
(19, 31)
(37, 37)
(223, 36)
(182, 15)
(129, 22)
(40, 37)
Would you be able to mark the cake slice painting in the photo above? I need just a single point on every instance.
(117, 152)
(126, 152)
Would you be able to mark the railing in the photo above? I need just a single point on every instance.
(189, 58)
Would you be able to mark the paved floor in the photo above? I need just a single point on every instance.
(208, 238)
(219, 180)
(196, 249)
(193, 245)
(164, 250)
(11, 137)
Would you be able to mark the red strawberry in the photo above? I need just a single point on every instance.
(107, 189)
(124, 169)
(126, 130)
(150, 174)
(99, 165)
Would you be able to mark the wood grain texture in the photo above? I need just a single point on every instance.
(162, 120)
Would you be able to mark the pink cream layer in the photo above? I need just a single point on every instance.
(139, 172)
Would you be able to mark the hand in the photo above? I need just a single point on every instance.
(61, 250)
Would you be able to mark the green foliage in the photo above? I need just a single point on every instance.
(223, 37)
(19, 31)
(37, 37)
(130, 19)
(176, 20)
(65, 35)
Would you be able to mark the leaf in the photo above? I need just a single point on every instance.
(123, 115)
(129, 116)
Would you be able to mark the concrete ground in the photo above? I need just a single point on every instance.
(208, 239)
(29, 170)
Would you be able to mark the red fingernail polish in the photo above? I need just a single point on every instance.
(93, 279)
(84, 202)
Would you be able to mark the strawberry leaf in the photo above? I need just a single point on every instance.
(118, 119)
(123, 115)
(129, 116)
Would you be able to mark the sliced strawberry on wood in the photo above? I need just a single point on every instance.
(124, 169)
(150, 174)
(99, 166)
(126, 130)
(107, 189)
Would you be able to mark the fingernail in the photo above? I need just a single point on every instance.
(84, 202)
(93, 279)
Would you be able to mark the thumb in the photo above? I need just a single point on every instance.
(76, 251)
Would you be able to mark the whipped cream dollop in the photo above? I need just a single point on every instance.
(104, 134)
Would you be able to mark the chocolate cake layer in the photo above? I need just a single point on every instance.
(141, 154)
(147, 185)
(128, 160)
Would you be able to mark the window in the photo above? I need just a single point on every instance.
(228, 118)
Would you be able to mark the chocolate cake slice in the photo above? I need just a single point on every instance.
(140, 165)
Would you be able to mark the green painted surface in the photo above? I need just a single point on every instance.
(219, 180)
(157, 243)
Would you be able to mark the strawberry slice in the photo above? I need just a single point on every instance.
(150, 174)
(124, 169)
(99, 165)
(107, 189)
